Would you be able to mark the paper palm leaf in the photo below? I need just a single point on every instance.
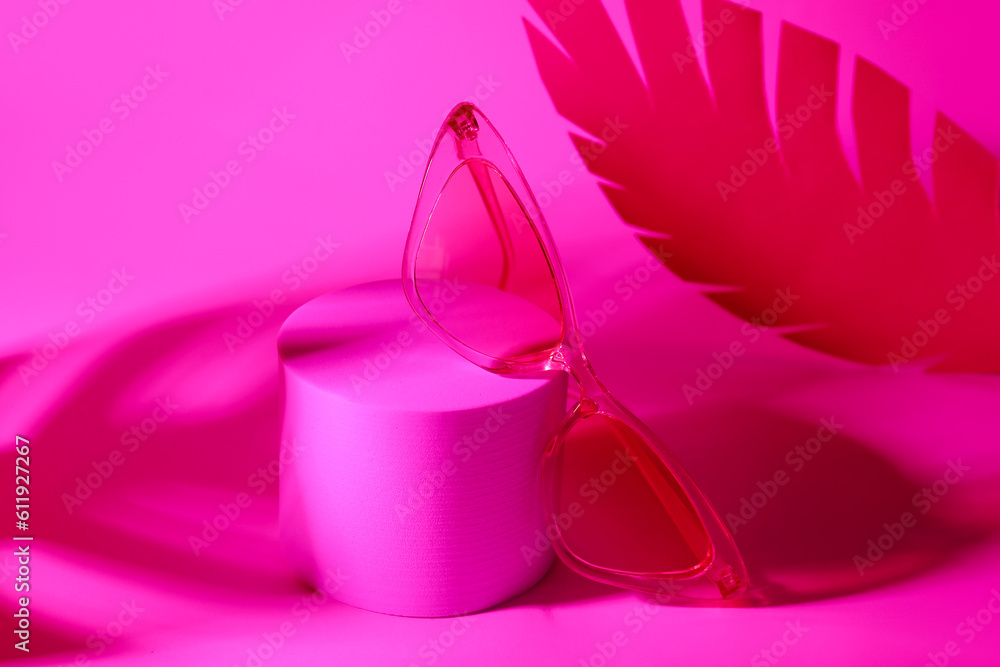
(749, 208)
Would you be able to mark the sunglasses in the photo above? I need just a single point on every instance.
(481, 271)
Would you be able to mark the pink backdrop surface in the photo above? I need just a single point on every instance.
(143, 306)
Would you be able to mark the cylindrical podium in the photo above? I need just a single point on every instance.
(413, 484)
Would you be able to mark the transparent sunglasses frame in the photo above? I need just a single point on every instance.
(468, 137)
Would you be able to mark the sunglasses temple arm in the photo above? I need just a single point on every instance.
(481, 174)
(464, 130)
(668, 496)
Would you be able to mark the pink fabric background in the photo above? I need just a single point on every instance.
(319, 190)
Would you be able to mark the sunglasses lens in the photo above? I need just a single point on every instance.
(618, 506)
(481, 271)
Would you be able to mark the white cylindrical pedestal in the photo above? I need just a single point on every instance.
(414, 486)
